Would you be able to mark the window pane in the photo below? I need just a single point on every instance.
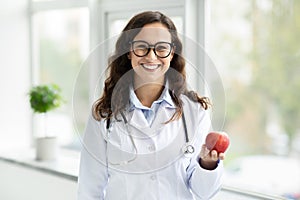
(116, 26)
(61, 43)
(256, 50)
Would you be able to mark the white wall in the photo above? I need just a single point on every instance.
(14, 74)
(17, 182)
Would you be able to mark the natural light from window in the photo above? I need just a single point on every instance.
(61, 43)
(255, 47)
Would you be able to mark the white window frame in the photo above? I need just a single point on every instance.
(39, 6)
(33, 8)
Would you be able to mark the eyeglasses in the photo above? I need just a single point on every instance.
(142, 48)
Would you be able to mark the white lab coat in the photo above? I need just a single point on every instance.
(158, 170)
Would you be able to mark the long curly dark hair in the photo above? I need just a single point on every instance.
(115, 95)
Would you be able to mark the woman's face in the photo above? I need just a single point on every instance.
(151, 68)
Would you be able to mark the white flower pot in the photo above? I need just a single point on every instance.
(46, 148)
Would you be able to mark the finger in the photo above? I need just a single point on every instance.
(221, 156)
(214, 155)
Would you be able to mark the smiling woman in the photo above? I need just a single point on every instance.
(145, 137)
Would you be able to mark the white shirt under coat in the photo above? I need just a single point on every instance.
(158, 170)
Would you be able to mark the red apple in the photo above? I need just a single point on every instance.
(218, 141)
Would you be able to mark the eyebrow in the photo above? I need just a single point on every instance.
(151, 43)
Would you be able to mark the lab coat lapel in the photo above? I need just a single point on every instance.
(137, 119)
(162, 116)
(139, 122)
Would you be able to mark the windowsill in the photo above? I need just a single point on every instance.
(65, 166)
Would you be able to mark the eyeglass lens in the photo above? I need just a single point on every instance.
(142, 48)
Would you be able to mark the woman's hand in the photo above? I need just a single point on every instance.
(209, 159)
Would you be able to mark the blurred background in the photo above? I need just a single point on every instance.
(253, 44)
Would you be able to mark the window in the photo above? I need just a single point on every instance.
(60, 45)
(116, 26)
(255, 49)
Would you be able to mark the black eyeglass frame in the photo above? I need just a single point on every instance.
(172, 45)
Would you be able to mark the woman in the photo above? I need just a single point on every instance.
(145, 137)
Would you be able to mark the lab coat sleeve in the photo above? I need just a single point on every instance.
(93, 176)
(203, 183)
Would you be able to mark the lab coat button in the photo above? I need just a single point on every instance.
(151, 147)
(153, 177)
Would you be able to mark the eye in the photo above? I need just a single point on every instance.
(140, 45)
(162, 47)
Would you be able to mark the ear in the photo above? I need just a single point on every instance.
(172, 53)
(129, 55)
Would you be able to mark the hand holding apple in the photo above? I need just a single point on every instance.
(218, 141)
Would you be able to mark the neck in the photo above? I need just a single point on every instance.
(148, 93)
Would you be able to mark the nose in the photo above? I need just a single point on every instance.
(151, 54)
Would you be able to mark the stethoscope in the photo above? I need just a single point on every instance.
(187, 149)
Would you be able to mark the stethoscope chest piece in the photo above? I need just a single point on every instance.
(188, 150)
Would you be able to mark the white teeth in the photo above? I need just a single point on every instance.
(150, 66)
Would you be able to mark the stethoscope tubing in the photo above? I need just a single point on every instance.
(187, 149)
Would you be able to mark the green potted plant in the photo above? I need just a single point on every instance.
(44, 98)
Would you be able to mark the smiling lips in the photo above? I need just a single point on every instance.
(150, 66)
